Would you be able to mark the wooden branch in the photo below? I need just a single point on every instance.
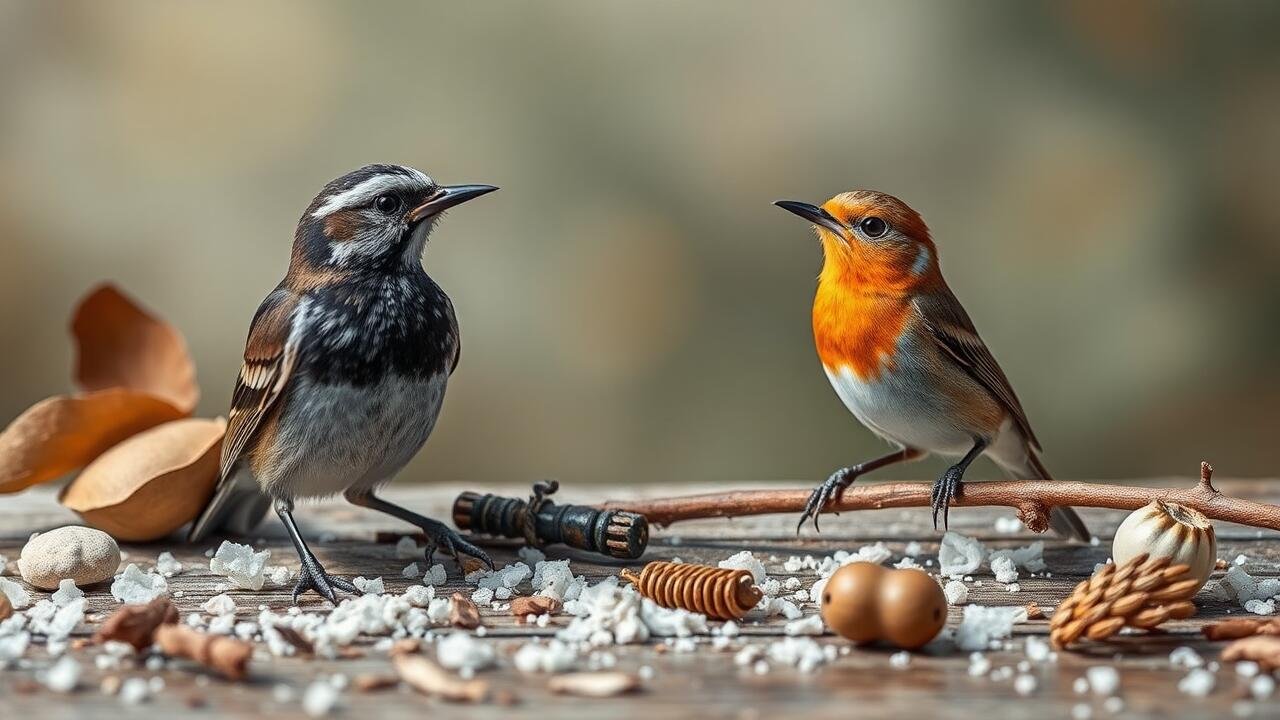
(1033, 499)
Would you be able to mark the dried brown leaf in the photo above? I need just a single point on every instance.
(6, 607)
(63, 433)
(121, 345)
(152, 483)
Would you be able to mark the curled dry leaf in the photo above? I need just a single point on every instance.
(135, 373)
(121, 345)
(152, 483)
(63, 433)
(428, 678)
(594, 684)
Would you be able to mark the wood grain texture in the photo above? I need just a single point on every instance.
(704, 683)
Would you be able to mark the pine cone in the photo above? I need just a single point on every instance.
(1142, 593)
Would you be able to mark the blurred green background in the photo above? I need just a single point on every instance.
(1101, 179)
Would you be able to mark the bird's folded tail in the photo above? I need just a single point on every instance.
(238, 505)
(1064, 520)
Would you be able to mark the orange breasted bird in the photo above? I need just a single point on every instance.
(904, 357)
(346, 364)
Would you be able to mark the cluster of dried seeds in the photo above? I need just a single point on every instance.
(1142, 593)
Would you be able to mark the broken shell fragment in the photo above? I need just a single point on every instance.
(151, 484)
(74, 552)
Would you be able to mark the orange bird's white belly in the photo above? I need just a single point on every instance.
(915, 399)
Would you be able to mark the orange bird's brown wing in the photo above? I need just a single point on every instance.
(270, 355)
(949, 325)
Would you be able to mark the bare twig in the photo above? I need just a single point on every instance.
(226, 655)
(1033, 499)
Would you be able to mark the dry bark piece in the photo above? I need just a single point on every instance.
(1142, 593)
(525, 605)
(369, 682)
(1034, 612)
(225, 655)
(64, 433)
(463, 613)
(152, 483)
(137, 624)
(121, 345)
(594, 684)
(1262, 649)
(6, 607)
(1241, 627)
(427, 677)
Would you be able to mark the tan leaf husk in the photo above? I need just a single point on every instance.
(1142, 593)
(63, 433)
(152, 483)
(118, 344)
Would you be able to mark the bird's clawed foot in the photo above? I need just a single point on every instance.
(946, 488)
(442, 537)
(825, 493)
(313, 577)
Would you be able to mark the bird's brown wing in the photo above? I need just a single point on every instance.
(270, 355)
(949, 325)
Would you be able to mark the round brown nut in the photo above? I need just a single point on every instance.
(849, 602)
(913, 609)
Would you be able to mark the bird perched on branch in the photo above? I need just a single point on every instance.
(346, 363)
(902, 354)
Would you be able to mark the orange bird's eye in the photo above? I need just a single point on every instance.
(873, 227)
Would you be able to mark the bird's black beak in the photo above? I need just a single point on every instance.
(446, 197)
(813, 214)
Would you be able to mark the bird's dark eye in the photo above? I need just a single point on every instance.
(387, 204)
(874, 227)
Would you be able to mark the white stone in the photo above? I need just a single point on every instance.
(1005, 570)
(460, 651)
(220, 605)
(745, 560)
(1197, 683)
(320, 698)
(436, 575)
(369, 586)
(18, 596)
(83, 555)
(982, 625)
(1104, 680)
(956, 592)
(167, 565)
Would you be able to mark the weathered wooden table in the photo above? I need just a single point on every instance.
(702, 683)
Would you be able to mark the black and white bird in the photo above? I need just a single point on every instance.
(346, 363)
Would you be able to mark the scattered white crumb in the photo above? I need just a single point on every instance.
(369, 586)
(461, 651)
(810, 625)
(552, 657)
(1262, 686)
(1004, 568)
(66, 592)
(220, 605)
(1008, 525)
(1247, 668)
(411, 571)
(436, 575)
(1197, 683)
(979, 665)
(240, 564)
(982, 625)
(134, 691)
(320, 698)
(18, 596)
(1185, 657)
(900, 660)
(1025, 684)
(134, 587)
(63, 676)
(956, 592)
(407, 549)
(1260, 607)
(959, 555)
(1103, 680)
(745, 560)
(167, 565)
(913, 549)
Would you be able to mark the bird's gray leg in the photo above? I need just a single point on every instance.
(438, 534)
(948, 484)
(843, 478)
(312, 575)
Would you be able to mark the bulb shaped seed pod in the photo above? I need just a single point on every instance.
(1164, 529)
